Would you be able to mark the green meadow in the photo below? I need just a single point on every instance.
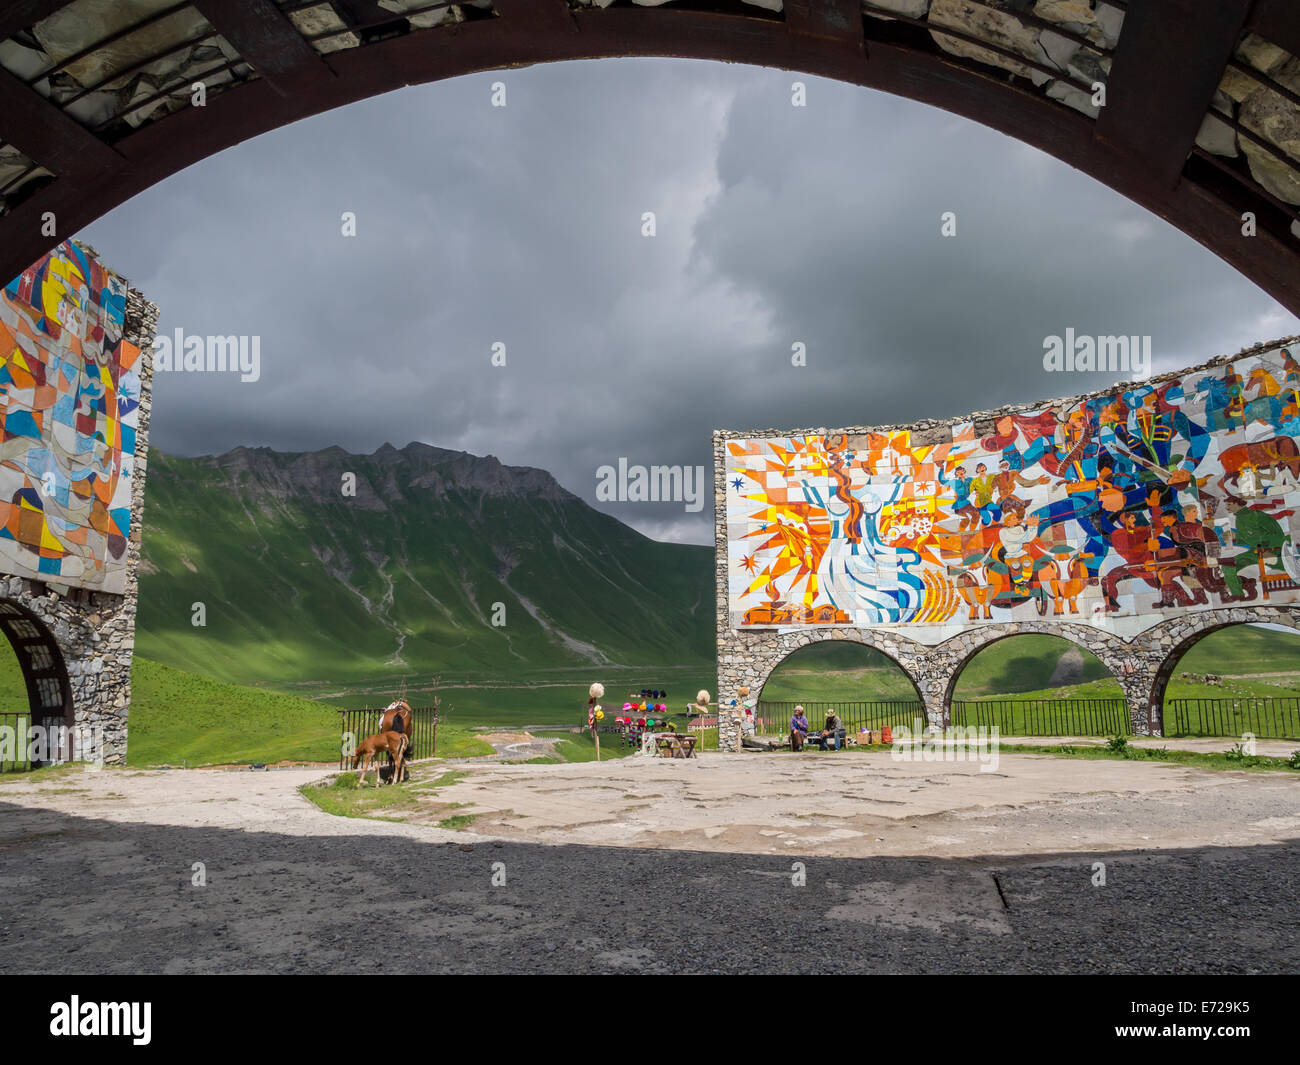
(182, 718)
(1253, 662)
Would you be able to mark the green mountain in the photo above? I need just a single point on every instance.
(304, 584)
(304, 587)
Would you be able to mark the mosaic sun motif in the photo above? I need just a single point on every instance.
(69, 407)
(1118, 511)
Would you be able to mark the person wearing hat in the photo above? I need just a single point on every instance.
(798, 729)
(834, 731)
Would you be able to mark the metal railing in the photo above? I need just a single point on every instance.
(20, 724)
(896, 713)
(1265, 718)
(363, 723)
(1045, 717)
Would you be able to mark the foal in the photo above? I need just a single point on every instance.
(395, 743)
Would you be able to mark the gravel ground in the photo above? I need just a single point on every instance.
(86, 894)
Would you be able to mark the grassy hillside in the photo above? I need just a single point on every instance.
(303, 584)
(1023, 667)
(179, 718)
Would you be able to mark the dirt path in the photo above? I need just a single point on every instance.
(511, 747)
(845, 804)
(831, 863)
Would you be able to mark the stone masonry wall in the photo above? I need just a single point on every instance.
(95, 631)
(1141, 664)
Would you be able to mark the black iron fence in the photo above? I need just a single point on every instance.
(1277, 719)
(358, 724)
(13, 742)
(1045, 717)
(44, 735)
(774, 717)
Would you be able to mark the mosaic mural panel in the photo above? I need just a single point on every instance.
(1119, 511)
(69, 411)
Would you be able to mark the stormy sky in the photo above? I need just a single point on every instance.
(522, 225)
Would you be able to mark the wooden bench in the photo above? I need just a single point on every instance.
(671, 745)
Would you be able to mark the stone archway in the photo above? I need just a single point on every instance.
(1158, 650)
(747, 659)
(855, 641)
(49, 690)
(1159, 134)
(69, 559)
(1079, 636)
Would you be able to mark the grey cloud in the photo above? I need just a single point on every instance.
(522, 224)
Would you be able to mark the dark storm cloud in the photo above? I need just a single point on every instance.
(775, 225)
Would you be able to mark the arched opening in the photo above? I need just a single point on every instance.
(34, 693)
(865, 687)
(1232, 679)
(1035, 684)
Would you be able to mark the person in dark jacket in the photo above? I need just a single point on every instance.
(834, 732)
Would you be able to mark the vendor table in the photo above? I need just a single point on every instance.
(673, 745)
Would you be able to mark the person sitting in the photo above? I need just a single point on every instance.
(834, 732)
(798, 729)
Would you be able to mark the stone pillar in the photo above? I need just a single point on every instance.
(95, 631)
(1137, 669)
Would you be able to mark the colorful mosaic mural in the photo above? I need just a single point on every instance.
(69, 407)
(1118, 511)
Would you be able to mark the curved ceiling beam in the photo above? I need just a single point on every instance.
(816, 37)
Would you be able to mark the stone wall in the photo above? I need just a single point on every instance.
(1140, 651)
(95, 631)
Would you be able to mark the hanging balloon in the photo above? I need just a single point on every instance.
(600, 715)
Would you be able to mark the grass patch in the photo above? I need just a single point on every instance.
(38, 776)
(458, 821)
(343, 798)
(580, 747)
(1118, 748)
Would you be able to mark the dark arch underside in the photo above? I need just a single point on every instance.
(67, 148)
(49, 694)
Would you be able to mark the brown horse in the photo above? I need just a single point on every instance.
(397, 717)
(395, 743)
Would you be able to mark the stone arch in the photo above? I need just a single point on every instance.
(748, 657)
(861, 639)
(1143, 143)
(1079, 636)
(49, 689)
(1176, 637)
